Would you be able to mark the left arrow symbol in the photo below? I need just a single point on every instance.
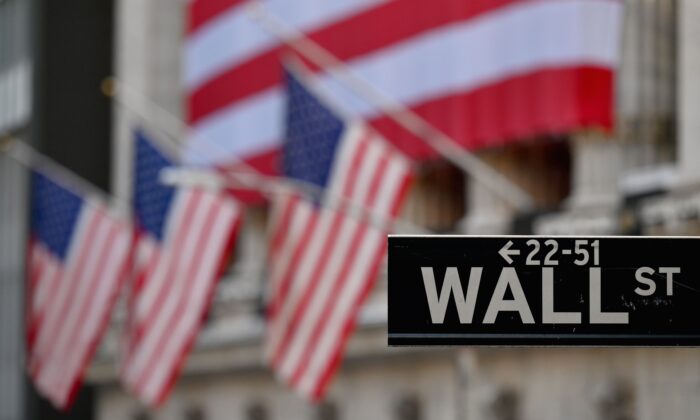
(506, 252)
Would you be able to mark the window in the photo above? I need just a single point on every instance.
(647, 82)
(409, 407)
(327, 410)
(256, 411)
(505, 405)
(194, 412)
(436, 200)
(141, 415)
(617, 403)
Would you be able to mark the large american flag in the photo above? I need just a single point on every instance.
(324, 262)
(486, 72)
(184, 241)
(77, 260)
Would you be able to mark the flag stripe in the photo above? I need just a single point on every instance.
(302, 279)
(333, 357)
(85, 294)
(308, 290)
(193, 243)
(359, 277)
(299, 346)
(71, 275)
(51, 282)
(45, 283)
(328, 296)
(65, 344)
(169, 274)
(212, 244)
(201, 12)
(71, 294)
(481, 117)
(347, 169)
(178, 268)
(301, 230)
(300, 275)
(296, 253)
(505, 111)
(205, 56)
(358, 242)
(476, 40)
(298, 228)
(280, 222)
(323, 294)
(340, 259)
(36, 265)
(103, 294)
(157, 284)
(398, 19)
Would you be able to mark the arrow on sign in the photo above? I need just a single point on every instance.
(506, 252)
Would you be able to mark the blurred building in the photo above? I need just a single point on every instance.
(53, 57)
(15, 95)
(642, 179)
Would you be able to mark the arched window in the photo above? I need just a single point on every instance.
(616, 402)
(409, 407)
(256, 411)
(194, 412)
(327, 410)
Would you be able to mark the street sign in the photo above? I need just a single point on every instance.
(534, 290)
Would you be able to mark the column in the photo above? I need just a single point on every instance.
(688, 88)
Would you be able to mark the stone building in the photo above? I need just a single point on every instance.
(642, 179)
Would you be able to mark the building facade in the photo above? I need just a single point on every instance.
(641, 179)
(15, 110)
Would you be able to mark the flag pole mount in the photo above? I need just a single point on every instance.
(6, 143)
(109, 87)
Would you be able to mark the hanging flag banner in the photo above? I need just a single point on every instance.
(536, 290)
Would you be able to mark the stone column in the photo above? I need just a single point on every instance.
(148, 60)
(131, 51)
(487, 214)
(596, 166)
(592, 205)
(688, 88)
(13, 223)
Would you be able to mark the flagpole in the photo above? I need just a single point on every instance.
(29, 157)
(444, 145)
(248, 176)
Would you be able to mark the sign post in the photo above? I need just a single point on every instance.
(520, 290)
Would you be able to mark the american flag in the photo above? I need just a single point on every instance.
(324, 262)
(485, 72)
(78, 257)
(184, 241)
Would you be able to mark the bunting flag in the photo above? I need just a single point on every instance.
(185, 237)
(77, 261)
(485, 72)
(323, 261)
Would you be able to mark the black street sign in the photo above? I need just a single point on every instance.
(520, 290)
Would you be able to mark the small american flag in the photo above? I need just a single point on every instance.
(323, 262)
(184, 240)
(78, 256)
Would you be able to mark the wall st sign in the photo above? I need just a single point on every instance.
(518, 290)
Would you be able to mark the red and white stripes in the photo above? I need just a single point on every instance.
(324, 263)
(69, 304)
(483, 71)
(174, 284)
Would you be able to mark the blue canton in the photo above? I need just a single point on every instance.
(152, 199)
(54, 214)
(312, 135)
